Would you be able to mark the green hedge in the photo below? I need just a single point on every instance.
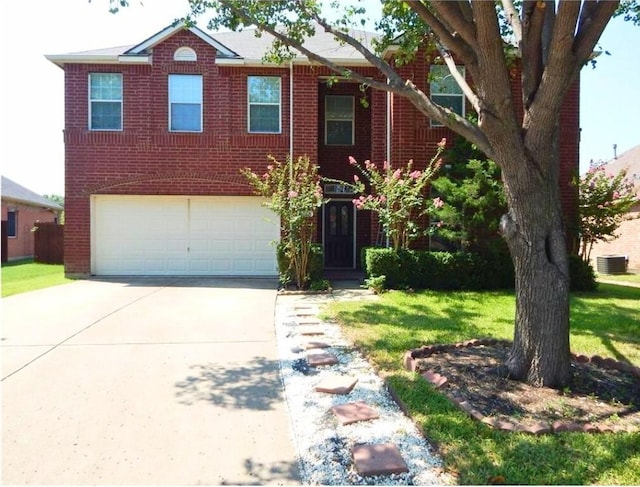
(418, 269)
(583, 278)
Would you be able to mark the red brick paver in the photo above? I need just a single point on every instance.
(380, 459)
(316, 359)
(337, 384)
(353, 412)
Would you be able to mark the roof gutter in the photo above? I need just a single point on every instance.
(62, 59)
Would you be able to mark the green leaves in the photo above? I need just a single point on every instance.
(294, 193)
(475, 200)
(604, 200)
(398, 196)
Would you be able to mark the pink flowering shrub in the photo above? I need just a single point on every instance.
(604, 200)
(294, 193)
(398, 195)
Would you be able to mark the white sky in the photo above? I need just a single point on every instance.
(32, 96)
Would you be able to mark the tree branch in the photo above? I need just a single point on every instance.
(514, 20)
(450, 12)
(463, 50)
(591, 27)
(497, 113)
(395, 84)
(462, 82)
(531, 49)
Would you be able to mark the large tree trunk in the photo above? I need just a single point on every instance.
(534, 231)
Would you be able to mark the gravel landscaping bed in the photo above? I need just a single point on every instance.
(324, 445)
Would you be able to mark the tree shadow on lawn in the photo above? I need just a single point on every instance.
(446, 321)
(480, 455)
(253, 386)
(610, 322)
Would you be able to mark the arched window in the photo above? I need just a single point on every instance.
(185, 54)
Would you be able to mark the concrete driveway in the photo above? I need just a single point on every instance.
(148, 381)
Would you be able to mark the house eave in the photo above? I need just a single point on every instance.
(300, 61)
(13, 200)
(61, 59)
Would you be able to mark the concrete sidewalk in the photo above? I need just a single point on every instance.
(149, 381)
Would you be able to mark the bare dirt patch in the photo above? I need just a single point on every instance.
(596, 396)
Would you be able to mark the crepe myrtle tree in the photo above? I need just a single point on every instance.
(603, 204)
(551, 41)
(398, 196)
(294, 194)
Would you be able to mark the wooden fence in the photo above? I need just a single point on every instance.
(49, 243)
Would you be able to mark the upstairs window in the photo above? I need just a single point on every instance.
(445, 91)
(338, 116)
(105, 101)
(12, 223)
(264, 104)
(185, 103)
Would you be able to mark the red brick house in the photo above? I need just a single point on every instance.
(156, 135)
(21, 210)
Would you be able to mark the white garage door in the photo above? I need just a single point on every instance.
(180, 235)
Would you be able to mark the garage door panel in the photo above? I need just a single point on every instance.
(170, 235)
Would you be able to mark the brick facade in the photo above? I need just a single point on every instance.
(146, 159)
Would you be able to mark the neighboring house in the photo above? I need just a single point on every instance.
(21, 210)
(156, 135)
(628, 242)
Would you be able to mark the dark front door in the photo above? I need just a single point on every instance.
(338, 234)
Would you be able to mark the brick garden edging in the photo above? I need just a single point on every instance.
(412, 358)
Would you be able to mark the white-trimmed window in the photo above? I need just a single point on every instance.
(185, 103)
(105, 101)
(445, 90)
(338, 119)
(12, 223)
(263, 94)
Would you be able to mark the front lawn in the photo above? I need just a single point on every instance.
(23, 276)
(606, 323)
(633, 278)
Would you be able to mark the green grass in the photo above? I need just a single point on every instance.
(622, 278)
(20, 277)
(606, 323)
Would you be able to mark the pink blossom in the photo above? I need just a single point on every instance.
(397, 173)
(382, 198)
(265, 175)
(616, 195)
(438, 203)
(356, 178)
(415, 174)
(442, 143)
(385, 165)
(369, 165)
(439, 224)
(270, 167)
(352, 161)
(293, 194)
